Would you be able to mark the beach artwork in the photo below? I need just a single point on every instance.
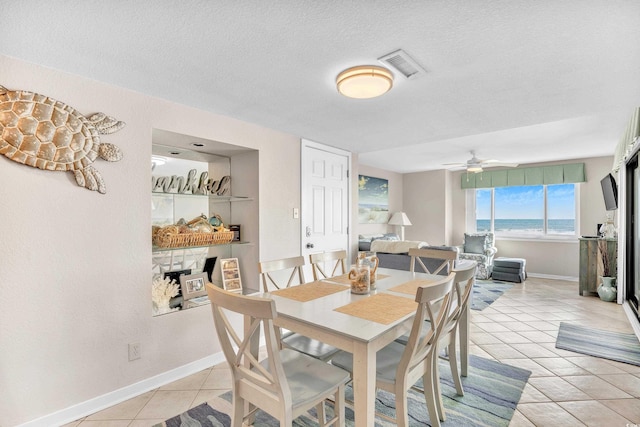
(373, 200)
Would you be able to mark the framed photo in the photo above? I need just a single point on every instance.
(236, 231)
(231, 275)
(192, 285)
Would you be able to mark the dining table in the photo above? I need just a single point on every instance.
(326, 310)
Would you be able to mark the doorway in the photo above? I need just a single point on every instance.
(632, 209)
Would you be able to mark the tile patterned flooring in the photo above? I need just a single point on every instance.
(520, 328)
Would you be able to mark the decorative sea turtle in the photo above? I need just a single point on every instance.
(41, 132)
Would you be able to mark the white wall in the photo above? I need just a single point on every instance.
(427, 201)
(75, 273)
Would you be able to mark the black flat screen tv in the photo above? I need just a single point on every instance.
(609, 192)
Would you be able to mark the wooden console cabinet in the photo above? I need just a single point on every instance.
(591, 262)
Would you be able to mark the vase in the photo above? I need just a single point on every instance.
(607, 289)
(360, 278)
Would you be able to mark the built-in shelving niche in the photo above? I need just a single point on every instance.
(176, 154)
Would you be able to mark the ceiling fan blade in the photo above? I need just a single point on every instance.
(498, 164)
(454, 164)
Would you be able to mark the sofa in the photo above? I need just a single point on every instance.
(394, 253)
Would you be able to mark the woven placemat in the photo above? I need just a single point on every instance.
(344, 278)
(309, 291)
(380, 308)
(411, 287)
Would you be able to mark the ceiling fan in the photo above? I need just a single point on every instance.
(476, 165)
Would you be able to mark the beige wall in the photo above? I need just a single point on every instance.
(76, 265)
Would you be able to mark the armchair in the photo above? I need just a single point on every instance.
(479, 247)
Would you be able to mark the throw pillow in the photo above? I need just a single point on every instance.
(391, 236)
(475, 244)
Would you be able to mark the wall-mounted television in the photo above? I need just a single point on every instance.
(609, 192)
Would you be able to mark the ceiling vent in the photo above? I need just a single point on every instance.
(403, 63)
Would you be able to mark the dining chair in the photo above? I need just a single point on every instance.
(334, 258)
(286, 384)
(398, 366)
(293, 268)
(448, 258)
(463, 286)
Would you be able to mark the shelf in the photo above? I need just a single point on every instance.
(159, 249)
(212, 197)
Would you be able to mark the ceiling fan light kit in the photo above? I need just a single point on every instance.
(365, 81)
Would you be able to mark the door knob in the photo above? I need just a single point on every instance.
(309, 245)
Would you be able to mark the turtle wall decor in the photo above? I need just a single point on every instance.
(39, 131)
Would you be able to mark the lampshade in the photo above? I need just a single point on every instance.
(399, 218)
(365, 81)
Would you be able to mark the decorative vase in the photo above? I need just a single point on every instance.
(360, 277)
(607, 289)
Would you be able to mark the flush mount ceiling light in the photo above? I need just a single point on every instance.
(365, 81)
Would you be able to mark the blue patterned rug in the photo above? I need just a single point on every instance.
(485, 292)
(616, 346)
(492, 391)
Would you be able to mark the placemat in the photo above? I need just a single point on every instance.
(411, 287)
(380, 308)
(309, 291)
(344, 278)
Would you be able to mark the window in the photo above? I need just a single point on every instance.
(527, 211)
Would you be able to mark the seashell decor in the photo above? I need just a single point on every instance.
(47, 134)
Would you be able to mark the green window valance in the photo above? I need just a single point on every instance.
(556, 174)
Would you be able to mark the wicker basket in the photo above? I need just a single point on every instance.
(169, 239)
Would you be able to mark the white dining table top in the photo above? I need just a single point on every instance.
(320, 312)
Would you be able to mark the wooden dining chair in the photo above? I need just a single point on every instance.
(293, 269)
(463, 286)
(398, 366)
(448, 259)
(336, 259)
(287, 383)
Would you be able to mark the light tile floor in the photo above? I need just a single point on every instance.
(520, 328)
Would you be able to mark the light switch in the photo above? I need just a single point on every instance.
(296, 213)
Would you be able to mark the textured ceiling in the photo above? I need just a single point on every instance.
(519, 81)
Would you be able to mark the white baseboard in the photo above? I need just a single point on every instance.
(99, 403)
(552, 276)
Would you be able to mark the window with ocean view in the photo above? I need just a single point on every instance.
(532, 210)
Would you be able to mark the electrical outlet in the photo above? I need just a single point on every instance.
(134, 351)
(296, 213)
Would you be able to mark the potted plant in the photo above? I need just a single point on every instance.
(607, 289)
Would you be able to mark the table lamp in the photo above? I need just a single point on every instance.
(400, 218)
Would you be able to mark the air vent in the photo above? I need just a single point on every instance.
(403, 63)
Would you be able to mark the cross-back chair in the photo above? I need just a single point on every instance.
(287, 383)
(448, 259)
(398, 366)
(463, 286)
(336, 259)
(271, 279)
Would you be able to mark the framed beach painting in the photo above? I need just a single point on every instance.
(373, 200)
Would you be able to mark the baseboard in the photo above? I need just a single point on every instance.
(99, 403)
(552, 276)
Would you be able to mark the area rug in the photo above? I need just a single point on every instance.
(485, 292)
(492, 391)
(616, 346)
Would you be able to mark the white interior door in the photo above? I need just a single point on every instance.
(324, 198)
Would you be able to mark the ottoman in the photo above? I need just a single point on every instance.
(509, 269)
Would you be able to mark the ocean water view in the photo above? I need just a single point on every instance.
(554, 226)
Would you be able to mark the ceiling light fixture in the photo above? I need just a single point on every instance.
(365, 81)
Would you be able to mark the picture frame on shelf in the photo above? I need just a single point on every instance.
(231, 280)
(236, 232)
(193, 285)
